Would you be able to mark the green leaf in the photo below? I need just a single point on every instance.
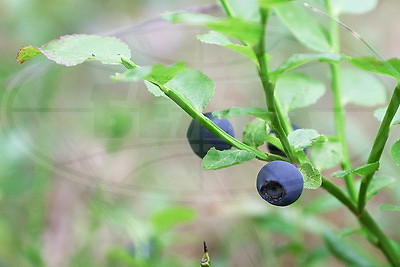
(303, 138)
(255, 132)
(390, 67)
(395, 152)
(362, 170)
(343, 251)
(217, 38)
(193, 86)
(236, 111)
(297, 60)
(216, 159)
(303, 26)
(389, 207)
(271, 3)
(378, 183)
(312, 177)
(170, 217)
(246, 31)
(297, 90)
(322, 204)
(361, 88)
(326, 155)
(353, 6)
(71, 50)
(188, 17)
(244, 9)
(274, 141)
(380, 113)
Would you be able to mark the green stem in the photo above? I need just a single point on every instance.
(379, 144)
(226, 7)
(367, 221)
(278, 119)
(338, 107)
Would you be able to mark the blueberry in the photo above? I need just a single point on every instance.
(280, 183)
(201, 140)
(274, 150)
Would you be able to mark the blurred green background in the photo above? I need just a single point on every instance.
(94, 173)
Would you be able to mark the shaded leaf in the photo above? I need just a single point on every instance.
(70, 50)
(296, 90)
(312, 177)
(297, 60)
(395, 152)
(154, 89)
(216, 159)
(303, 138)
(362, 170)
(378, 183)
(326, 155)
(361, 88)
(255, 132)
(303, 26)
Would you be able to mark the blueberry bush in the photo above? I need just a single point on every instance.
(294, 158)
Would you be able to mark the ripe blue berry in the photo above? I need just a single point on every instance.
(280, 183)
(201, 140)
(274, 150)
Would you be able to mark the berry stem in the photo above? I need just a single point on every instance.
(338, 107)
(278, 121)
(379, 145)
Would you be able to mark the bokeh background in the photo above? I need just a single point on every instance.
(95, 173)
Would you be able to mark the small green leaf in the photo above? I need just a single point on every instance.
(297, 90)
(378, 183)
(353, 6)
(361, 88)
(217, 38)
(390, 67)
(154, 89)
(344, 252)
(133, 75)
(303, 26)
(395, 152)
(255, 132)
(246, 31)
(170, 217)
(194, 86)
(188, 17)
(303, 138)
(71, 50)
(237, 111)
(161, 74)
(271, 139)
(380, 113)
(216, 159)
(312, 177)
(271, 3)
(297, 60)
(326, 155)
(362, 170)
(389, 207)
